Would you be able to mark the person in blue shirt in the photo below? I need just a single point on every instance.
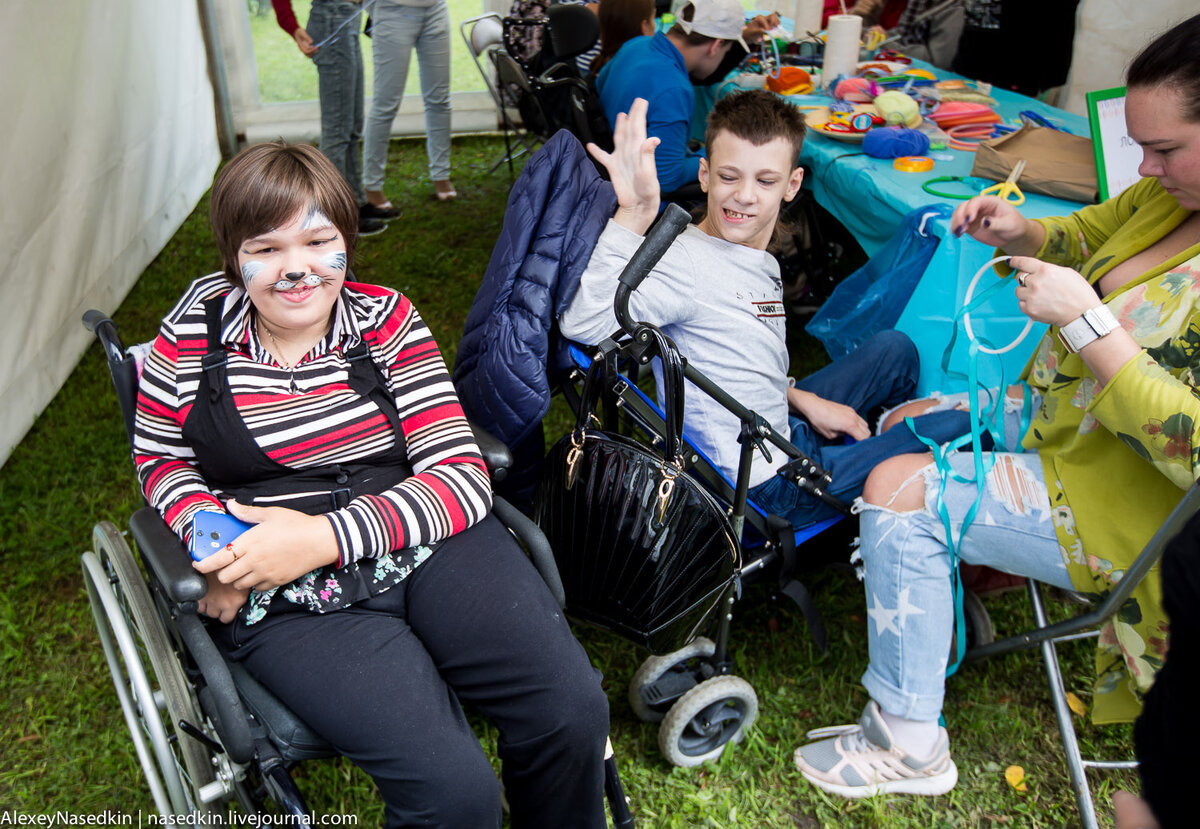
(660, 69)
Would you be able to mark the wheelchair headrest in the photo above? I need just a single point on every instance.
(573, 30)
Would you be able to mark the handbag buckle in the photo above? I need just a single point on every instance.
(665, 488)
(573, 456)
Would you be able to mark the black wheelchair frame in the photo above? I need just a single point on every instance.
(206, 733)
(692, 691)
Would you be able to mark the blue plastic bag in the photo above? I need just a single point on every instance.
(872, 298)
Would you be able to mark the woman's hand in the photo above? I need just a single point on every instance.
(631, 169)
(1051, 294)
(222, 601)
(997, 223)
(831, 420)
(283, 545)
(759, 26)
(305, 42)
(1057, 295)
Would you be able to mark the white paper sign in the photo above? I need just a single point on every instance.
(1117, 155)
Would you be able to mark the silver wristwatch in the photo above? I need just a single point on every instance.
(1092, 325)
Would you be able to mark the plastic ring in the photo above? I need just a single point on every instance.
(967, 316)
(913, 164)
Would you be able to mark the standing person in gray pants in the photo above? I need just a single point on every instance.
(398, 27)
(331, 40)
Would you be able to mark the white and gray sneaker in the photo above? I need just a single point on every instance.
(861, 761)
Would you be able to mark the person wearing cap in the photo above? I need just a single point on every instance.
(660, 69)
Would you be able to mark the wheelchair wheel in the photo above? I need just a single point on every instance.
(716, 712)
(656, 667)
(153, 701)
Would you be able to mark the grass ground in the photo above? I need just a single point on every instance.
(63, 744)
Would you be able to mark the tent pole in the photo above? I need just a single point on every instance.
(226, 136)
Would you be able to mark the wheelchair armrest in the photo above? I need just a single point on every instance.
(166, 557)
(496, 454)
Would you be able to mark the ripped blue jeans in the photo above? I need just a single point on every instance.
(907, 569)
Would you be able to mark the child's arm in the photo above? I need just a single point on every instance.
(830, 419)
(631, 169)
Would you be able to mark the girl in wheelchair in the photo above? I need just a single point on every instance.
(373, 593)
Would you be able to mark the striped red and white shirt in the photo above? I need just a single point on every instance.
(308, 417)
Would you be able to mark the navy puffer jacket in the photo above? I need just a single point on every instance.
(555, 214)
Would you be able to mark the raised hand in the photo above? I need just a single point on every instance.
(631, 169)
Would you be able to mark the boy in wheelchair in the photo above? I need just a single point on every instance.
(373, 594)
(718, 294)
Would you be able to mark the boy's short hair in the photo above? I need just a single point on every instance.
(265, 186)
(757, 116)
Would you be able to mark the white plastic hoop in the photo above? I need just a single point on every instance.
(967, 316)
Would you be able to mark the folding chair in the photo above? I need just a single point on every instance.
(1082, 626)
(483, 35)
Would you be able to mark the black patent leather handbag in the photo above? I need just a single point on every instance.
(643, 549)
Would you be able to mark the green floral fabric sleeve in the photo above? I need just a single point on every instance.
(1155, 413)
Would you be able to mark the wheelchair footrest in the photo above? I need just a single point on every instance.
(668, 688)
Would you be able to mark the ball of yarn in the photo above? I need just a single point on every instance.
(859, 90)
(898, 108)
(791, 80)
(894, 142)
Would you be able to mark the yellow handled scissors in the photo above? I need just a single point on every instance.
(1008, 189)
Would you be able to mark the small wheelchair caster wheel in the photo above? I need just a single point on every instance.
(656, 667)
(715, 712)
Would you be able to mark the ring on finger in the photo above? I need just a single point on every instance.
(1021, 277)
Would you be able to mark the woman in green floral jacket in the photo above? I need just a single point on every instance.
(1113, 443)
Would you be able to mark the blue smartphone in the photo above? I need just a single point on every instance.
(213, 530)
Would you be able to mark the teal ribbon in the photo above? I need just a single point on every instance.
(981, 421)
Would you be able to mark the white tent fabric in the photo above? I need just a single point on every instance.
(108, 144)
(1108, 33)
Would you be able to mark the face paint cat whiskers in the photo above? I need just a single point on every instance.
(296, 280)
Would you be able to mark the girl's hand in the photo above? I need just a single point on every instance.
(998, 224)
(222, 601)
(305, 42)
(284, 545)
(1052, 294)
(631, 169)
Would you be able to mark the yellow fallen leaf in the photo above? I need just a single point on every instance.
(1015, 775)
(1076, 704)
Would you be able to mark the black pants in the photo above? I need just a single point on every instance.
(1166, 733)
(382, 681)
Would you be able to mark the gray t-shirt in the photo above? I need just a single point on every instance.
(722, 304)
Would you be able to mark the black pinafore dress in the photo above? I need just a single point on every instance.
(233, 463)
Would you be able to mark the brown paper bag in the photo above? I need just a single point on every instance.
(1056, 163)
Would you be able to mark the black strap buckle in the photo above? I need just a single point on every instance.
(341, 497)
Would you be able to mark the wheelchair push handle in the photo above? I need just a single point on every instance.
(105, 330)
(659, 238)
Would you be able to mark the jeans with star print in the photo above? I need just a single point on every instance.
(907, 571)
